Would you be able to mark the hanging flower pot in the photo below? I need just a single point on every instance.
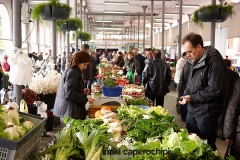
(60, 13)
(212, 13)
(84, 36)
(71, 24)
(46, 13)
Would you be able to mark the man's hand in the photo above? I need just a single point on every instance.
(229, 141)
(86, 90)
(90, 100)
(85, 81)
(185, 99)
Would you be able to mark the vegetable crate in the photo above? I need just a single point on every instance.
(26, 146)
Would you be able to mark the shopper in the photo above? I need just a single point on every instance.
(119, 61)
(131, 64)
(138, 57)
(179, 67)
(205, 88)
(87, 73)
(70, 100)
(155, 78)
(94, 70)
(63, 61)
(231, 77)
(232, 122)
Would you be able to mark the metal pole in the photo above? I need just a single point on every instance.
(76, 38)
(138, 29)
(67, 43)
(163, 12)
(180, 29)
(17, 40)
(26, 35)
(144, 21)
(54, 54)
(86, 23)
(84, 10)
(151, 34)
(213, 26)
(38, 37)
(80, 17)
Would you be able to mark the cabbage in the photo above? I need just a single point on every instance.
(14, 115)
(194, 137)
(171, 141)
(5, 117)
(21, 131)
(12, 133)
(28, 125)
(13, 105)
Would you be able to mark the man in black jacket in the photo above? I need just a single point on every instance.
(156, 77)
(87, 73)
(205, 88)
(141, 61)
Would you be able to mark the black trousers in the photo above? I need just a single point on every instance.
(204, 126)
(159, 99)
(183, 109)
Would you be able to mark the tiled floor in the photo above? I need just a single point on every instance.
(170, 102)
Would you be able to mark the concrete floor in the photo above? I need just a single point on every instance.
(169, 103)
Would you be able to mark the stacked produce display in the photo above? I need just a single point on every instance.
(127, 133)
(12, 126)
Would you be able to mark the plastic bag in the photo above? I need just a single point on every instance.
(20, 68)
(130, 76)
(23, 106)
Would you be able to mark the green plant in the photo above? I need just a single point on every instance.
(76, 21)
(37, 9)
(209, 8)
(84, 35)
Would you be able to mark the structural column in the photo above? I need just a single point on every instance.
(144, 21)
(138, 29)
(151, 34)
(38, 37)
(80, 17)
(67, 43)
(163, 12)
(76, 38)
(17, 40)
(213, 26)
(180, 29)
(54, 45)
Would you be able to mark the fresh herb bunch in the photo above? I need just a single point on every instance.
(108, 82)
(137, 101)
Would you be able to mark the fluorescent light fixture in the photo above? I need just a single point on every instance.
(108, 28)
(117, 25)
(114, 11)
(105, 21)
(38, 1)
(160, 19)
(116, 3)
(171, 14)
(188, 6)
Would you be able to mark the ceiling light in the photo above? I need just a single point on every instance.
(104, 21)
(171, 14)
(116, 3)
(114, 11)
(38, 1)
(188, 6)
(117, 25)
(160, 19)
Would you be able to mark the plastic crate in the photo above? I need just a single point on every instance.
(27, 145)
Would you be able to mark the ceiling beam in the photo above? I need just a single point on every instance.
(119, 14)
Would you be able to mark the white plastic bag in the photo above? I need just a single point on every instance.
(20, 68)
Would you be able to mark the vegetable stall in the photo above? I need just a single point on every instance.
(127, 133)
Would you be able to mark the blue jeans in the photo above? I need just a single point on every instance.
(140, 79)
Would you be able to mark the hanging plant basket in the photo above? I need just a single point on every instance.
(212, 13)
(63, 27)
(53, 9)
(71, 24)
(60, 13)
(84, 36)
(216, 15)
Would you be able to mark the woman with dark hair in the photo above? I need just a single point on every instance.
(71, 99)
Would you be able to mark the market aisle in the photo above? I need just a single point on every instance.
(170, 105)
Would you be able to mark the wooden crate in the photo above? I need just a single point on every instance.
(94, 108)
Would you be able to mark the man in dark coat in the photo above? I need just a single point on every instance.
(156, 77)
(138, 57)
(231, 129)
(205, 88)
(87, 73)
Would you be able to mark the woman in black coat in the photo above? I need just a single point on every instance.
(71, 99)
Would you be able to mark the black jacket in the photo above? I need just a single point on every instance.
(133, 64)
(119, 61)
(156, 77)
(206, 83)
(231, 128)
(184, 77)
(70, 99)
(141, 62)
(94, 68)
(231, 77)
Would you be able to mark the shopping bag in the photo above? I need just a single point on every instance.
(20, 68)
(226, 156)
(130, 76)
(23, 106)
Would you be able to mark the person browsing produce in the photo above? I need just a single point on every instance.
(70, 100)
